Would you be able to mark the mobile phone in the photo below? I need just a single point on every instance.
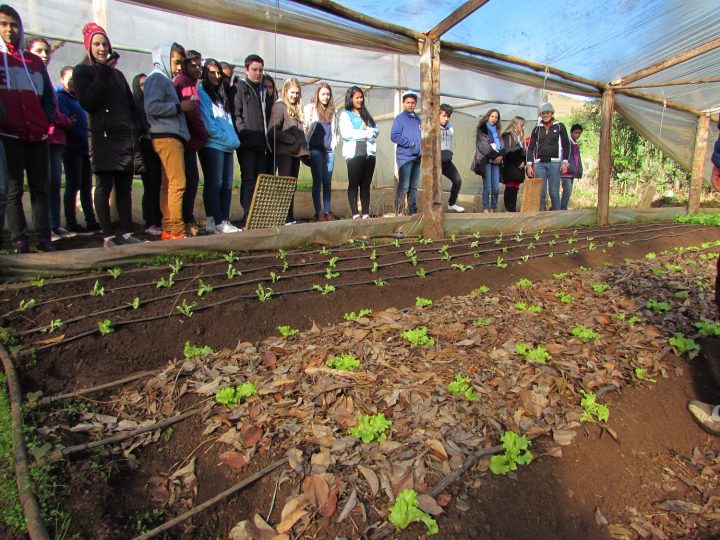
(114, 55)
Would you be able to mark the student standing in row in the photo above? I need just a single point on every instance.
(103, 92)
(216, 157)
(488, 146)
(252, 111)
(575, 166)
(513, 165)
(76, 159)
(185, 84)
(285, 130)
(29, 102)
(152, 168)
(169, 132)
(322, 136)
(57, 139)
(446, 154)
(547, 155)
(359, 133)
(406, 135)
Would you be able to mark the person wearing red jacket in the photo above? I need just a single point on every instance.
(185, 83)
(57, 140)
(29, 101)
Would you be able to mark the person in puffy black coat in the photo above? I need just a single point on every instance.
(103, 92)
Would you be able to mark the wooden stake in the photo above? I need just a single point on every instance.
(456, 17)
(698, 164)
(605, 157)
(672, 61)
(432, 205)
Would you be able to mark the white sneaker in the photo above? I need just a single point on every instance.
(456, 208)
(153, 230)
(63, 233)
(210, 227)
(356, 216)
(366, 216)
(54, 237)
(226, 227)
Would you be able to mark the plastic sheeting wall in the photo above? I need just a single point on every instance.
(601, 43)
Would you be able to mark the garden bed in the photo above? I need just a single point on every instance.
(304, 408)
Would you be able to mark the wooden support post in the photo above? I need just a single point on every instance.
(432, 205)
(698, 164)
(605, 157)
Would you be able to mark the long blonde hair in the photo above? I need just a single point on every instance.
(295, 111)
(516, 128)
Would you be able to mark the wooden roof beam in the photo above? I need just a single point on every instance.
(455, 18)
(673, 83)
(535, 66)
(672, 61)
(658, 100)
(333, 8)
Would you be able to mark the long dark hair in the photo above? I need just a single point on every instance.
(364, 114)
(138, 93)
(485, 117)
(324, 113)
(217, 95)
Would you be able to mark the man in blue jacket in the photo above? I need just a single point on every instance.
(406, 135)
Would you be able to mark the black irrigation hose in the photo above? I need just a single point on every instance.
(340, 249)
(352, 269)
(634, 230)
(30, 508)
(304, 290)
(306, 274)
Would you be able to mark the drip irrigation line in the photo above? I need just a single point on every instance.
(563, 231)
(298, 291)
(30, 508)
(314, 263)
(62, 453)
(119, 324)
(85, 391)
(502, 249)
(211, 502)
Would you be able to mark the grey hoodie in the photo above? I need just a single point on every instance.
(162, 105)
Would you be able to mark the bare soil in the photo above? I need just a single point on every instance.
(552, 498)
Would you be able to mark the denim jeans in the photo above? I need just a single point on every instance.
(567, 186)
(322, 163)
(55, 179)
(78, 178)
(3, 186)
(491, 186)
(550, 173)
(408, 180)
(192, 178)
(360, 172)
(217, 169)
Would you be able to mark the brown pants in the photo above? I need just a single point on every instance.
(172, 156)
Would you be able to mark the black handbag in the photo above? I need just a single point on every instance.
(478, 165)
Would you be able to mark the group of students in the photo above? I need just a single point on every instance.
(188, 109)
(508, 157)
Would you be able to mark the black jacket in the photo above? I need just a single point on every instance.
(104, 93)
(548, 145)
(483, 151)
(250, 122)
(513, 157)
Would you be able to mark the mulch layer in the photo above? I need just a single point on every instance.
(646, 472)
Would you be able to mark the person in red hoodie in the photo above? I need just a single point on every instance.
(185, 83)
(57, 139)
(29, 100)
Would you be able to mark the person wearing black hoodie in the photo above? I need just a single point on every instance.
(252, 112)
(152, 168)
